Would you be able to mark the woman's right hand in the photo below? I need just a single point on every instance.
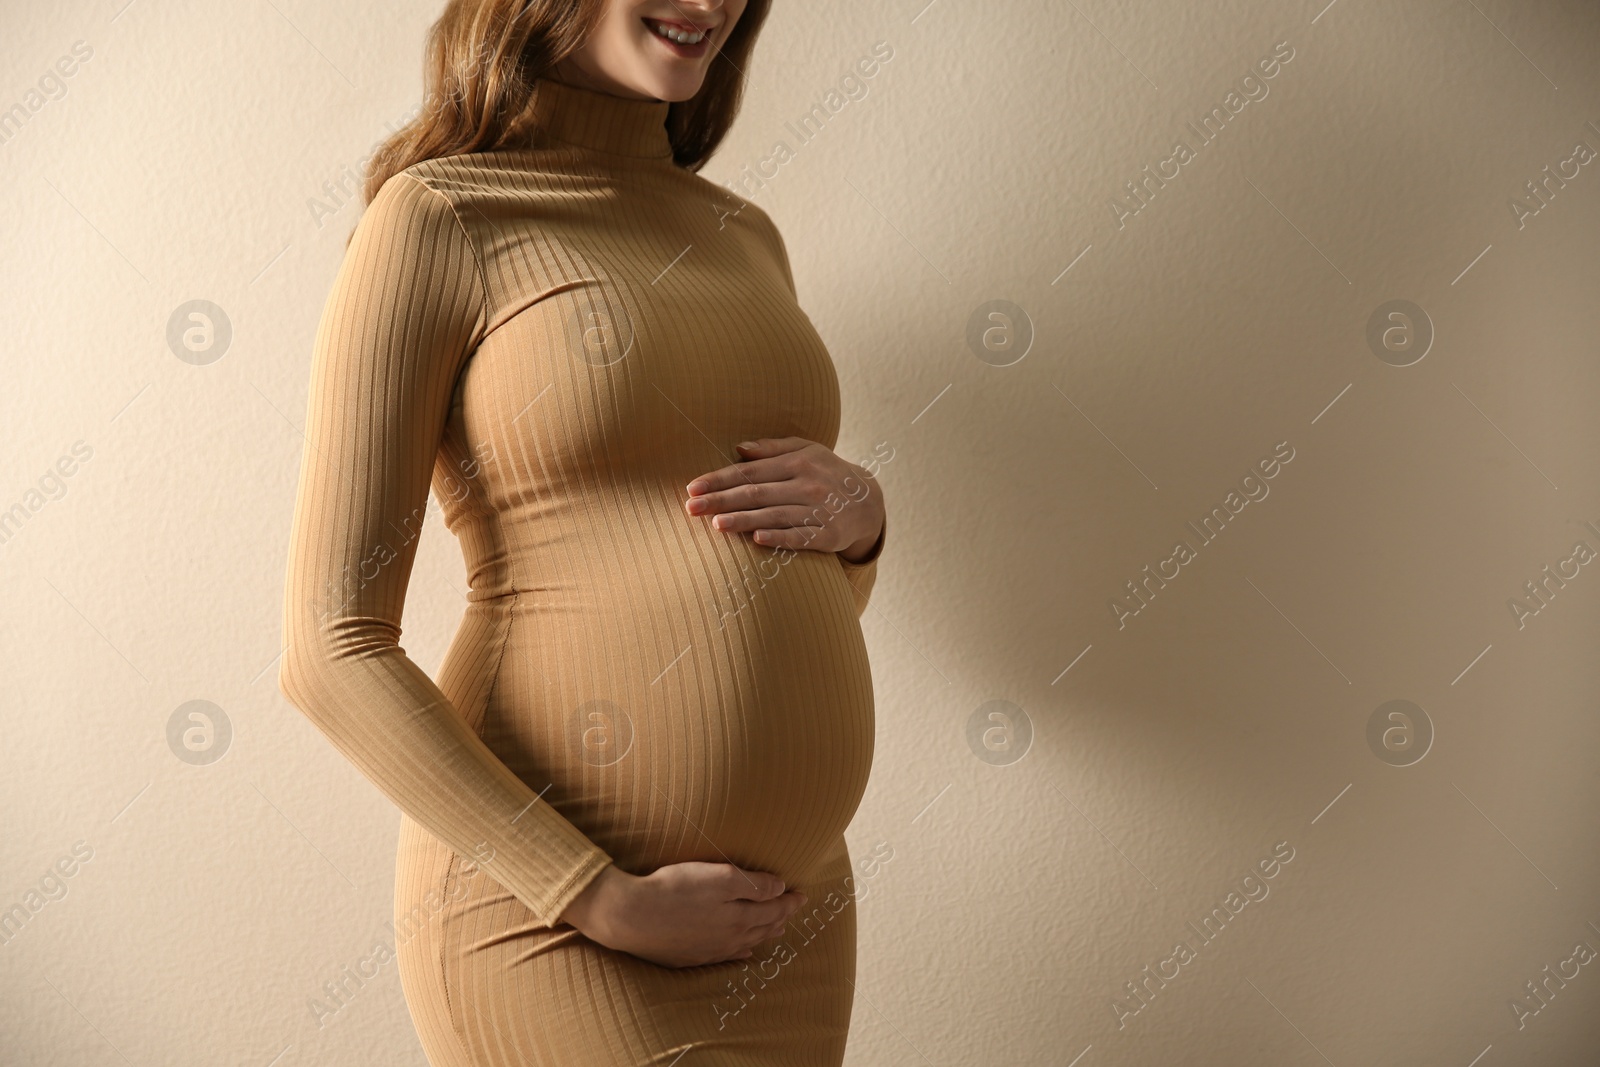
(684, 914)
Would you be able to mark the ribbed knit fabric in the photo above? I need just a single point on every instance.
(559, 338)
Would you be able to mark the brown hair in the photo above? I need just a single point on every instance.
(484, 55)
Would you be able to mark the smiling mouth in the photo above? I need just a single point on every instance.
(682, 34)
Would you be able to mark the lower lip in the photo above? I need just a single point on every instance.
(687, 51)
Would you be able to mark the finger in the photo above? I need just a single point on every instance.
(779, 926)
(773, 469)
(747, 495)
(798, 538)
(761, 914)
(771, 446)
(754, 885)
(755, 916)
(756, 938)
(762, 934)
(774, 517)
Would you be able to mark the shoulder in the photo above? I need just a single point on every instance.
(766, 231)
(460, 176)
(747, 218)
(454, 184)
(742, 213)
(758, 217)
(410, 201)
(487, 191)
(437, 201)
(447, 185)
(730, 202)
(411, 238)
(521, 176)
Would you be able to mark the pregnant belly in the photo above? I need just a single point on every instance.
(718, 708)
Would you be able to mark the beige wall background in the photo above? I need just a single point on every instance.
(187, 903)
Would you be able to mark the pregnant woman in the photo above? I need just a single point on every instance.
(624, 800)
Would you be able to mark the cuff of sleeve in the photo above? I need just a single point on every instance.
(573, 887)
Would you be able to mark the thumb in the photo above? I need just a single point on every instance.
(763, 885)
(770, 446)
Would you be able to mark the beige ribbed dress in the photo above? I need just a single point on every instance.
(558, 339)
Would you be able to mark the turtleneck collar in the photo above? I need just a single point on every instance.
(592, 119)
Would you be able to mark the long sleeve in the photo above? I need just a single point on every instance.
(406, 311)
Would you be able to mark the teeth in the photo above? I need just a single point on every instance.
(677, 35)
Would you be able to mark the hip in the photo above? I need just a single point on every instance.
(482, 970)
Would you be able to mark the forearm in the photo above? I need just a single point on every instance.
(383, 713)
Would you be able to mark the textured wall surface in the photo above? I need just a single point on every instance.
(1355, 315)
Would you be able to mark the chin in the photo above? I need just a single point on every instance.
(671, 86)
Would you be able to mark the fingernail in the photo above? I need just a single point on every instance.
(696, 486)
(747, 444)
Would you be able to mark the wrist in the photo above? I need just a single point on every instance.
(865, 549)
(593, 912)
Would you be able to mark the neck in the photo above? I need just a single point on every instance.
(592, 118)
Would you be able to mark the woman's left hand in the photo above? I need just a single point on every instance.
(793, 493)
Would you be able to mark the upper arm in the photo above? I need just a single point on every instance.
(405, 312)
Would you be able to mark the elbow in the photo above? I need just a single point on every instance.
(303, 640)
(310, 655)
(301, 664)
(310, 673)
(320, 650)
(290, 667)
